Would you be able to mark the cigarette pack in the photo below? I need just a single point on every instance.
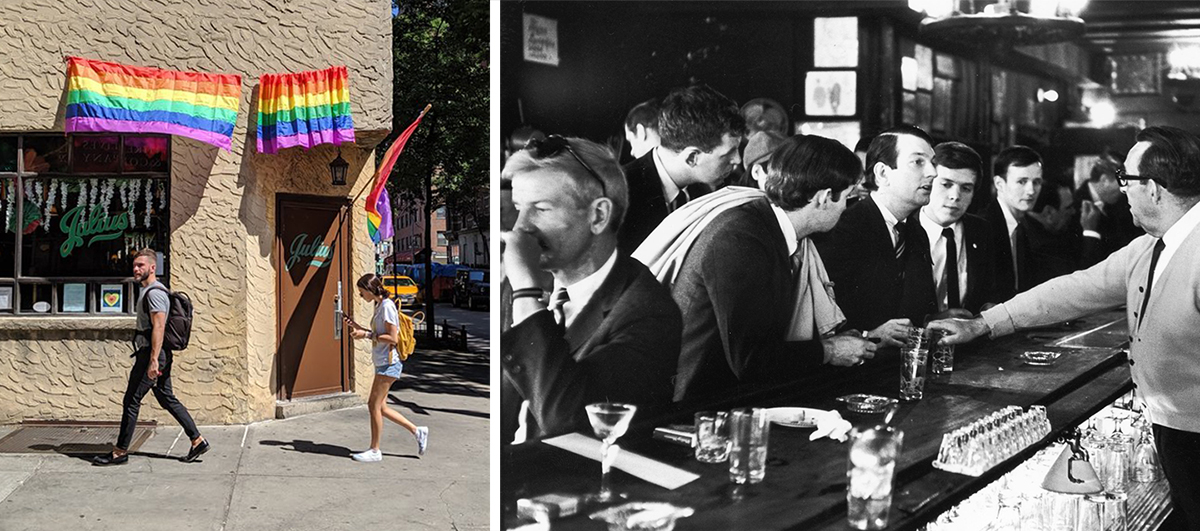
(548, 507)
(684, 434)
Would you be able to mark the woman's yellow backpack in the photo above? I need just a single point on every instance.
(407, 342)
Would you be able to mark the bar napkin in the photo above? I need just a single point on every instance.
(831, 424)
(642, 467)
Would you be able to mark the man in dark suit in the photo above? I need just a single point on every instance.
(1018, 179)
(610, 331)
(699, 132)
(1104, 214)
(737, 288)
(878, 254)
(963, 267)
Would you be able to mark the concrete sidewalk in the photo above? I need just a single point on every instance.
(293, 474)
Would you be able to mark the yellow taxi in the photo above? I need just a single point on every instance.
(402, 288)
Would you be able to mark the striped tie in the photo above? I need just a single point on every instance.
(556, 305)
(899, 240)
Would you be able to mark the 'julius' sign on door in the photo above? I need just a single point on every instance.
(316, 252)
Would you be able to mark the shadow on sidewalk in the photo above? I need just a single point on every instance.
(422, 410)
(86, 452)
(443, 372)
(310, 447)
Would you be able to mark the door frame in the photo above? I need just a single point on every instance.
(342, 268)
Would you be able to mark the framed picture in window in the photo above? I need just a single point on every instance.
(112, 298)
(74, 297)
(830, 93)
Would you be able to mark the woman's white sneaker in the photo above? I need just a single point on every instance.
(422, 439)
(369, 456)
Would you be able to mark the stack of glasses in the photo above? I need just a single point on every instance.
(985, 443)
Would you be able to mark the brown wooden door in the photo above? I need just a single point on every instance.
(310, 261)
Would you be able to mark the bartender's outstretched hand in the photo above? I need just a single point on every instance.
(959, 330)
(893, 333)
(847, 349)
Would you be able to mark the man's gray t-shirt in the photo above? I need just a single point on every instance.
(159, 303)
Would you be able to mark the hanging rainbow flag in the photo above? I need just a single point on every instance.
(379, 206)
(111, 97)
(304, 109)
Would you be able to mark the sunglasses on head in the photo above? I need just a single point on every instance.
(553, 145)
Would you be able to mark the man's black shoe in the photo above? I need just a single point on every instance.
(109, 460)
(196, 451)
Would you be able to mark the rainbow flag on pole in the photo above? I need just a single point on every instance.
(304, 109)
(111, 97)
(379, 206)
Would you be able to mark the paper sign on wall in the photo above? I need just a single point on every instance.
(541, 40)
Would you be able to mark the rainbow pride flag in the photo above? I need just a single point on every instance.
(304, 109)
(111, 97)
(379, 206)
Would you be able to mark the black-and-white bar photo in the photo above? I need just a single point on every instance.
(919, 265)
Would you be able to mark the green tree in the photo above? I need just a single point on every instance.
(440, 57)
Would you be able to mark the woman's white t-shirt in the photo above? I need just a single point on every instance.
(384, 353)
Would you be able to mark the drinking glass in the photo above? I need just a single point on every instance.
(943, 356)
(915, 354)
(748, 433)
(1117, 462)
(871, 468)
(609, 422)
(1145, 462)
(712, 436)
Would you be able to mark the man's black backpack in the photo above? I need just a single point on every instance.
(178, 330)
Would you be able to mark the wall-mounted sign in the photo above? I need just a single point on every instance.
(830, 93)
(98, 227)
(111, 296)
(541, 40)
(317, 253)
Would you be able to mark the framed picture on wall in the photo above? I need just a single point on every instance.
(830, 93)
(835, 42)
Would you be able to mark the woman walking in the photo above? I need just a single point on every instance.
(384, 334)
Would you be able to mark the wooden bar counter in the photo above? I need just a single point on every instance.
(805, 485)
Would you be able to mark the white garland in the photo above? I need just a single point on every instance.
(66, 190)
(10, 190)
(106, 194)
(124, 186)
(49, 205)
(162, 197)
(82, 201)
(149, 202)
(133, 199)
(95, 190)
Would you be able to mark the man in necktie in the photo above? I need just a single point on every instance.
(877, 255)
(958, 242)
(737, 286)
(1018, 180)
(699, 133)
(609, 331)
(1155, 277)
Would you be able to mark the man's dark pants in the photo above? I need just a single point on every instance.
(1179, 452)
(139, 384)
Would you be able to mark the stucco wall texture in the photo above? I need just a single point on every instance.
(222, 203)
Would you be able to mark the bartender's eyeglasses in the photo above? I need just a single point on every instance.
(553, 145)
(1124, 178)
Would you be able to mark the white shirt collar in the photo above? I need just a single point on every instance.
(889, 219)
(670, 189)
(934, 230)
(937, 251)
(1174, 237)
(789, 230)
(1009, 219)
(581, 292)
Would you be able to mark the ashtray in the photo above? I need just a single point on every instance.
(1040, 358)
(860, 403)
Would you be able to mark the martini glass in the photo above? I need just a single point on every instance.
(609, 422)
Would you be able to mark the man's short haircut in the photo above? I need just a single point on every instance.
(1108, 164)
(147, 253)
(883, 149)
(586, 189)
(958, 156)
(1173, 159)
(755, 111)
(644, 114)
(1019, 156)
(698, 116)
(805, 165)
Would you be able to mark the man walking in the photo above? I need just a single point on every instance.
(151, 366)
(1156, 278)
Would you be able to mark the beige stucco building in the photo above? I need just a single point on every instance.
(220, 225)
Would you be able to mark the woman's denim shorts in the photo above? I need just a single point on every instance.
(392, 371)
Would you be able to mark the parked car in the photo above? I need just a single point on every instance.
(471, 288)
(402, 288)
